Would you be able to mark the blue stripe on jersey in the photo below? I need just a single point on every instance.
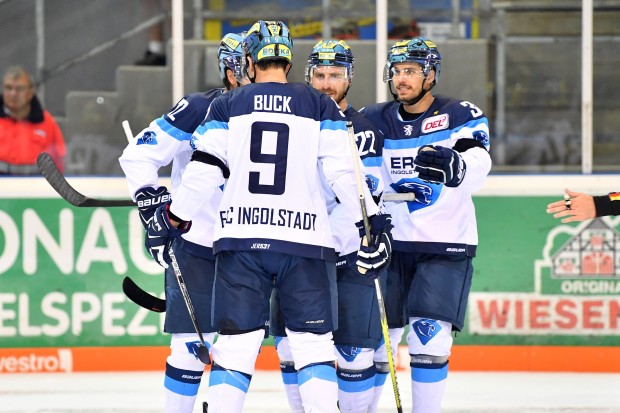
(429, 375)
(176, 133)
(431, 138)
(212, 124)
(317, 371)
(333, 124)
(229, 377)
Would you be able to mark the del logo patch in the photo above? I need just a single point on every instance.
(435, 123)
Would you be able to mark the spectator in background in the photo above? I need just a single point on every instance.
(577, 206)
(26, 129)
(155, 54)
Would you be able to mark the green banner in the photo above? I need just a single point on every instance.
(61, 270)
(536, 280)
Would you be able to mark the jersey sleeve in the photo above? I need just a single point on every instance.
(336, 159)
(472, 141)
(201, 179)
(158, 144)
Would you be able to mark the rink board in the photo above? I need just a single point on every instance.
(544, 297)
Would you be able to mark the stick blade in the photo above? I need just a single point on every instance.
(203, 354)
(142, 298)
(54, 177)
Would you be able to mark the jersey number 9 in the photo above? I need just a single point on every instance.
(264, 134)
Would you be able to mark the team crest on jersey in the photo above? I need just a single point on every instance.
(148, 138)
(436, 123)
(408, 130)
(426, 193)
(482, 137)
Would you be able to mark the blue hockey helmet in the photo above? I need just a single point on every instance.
(268, 40)
(330, 53)
(418, 50)
(230, 54)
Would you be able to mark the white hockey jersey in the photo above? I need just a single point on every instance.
(165, 140)
(441, 220)
(274, 138)
(369, 141)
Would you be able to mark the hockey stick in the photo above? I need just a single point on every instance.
(398, 197)
(130, 288)
(203, 350)
(50, 171)
(142, 298)
(380, 301)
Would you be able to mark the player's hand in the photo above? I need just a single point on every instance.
(375, 255)
(438, 164)
(148, 199)
(160, 233)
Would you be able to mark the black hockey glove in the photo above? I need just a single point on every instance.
(148, 199)
(375, 255)
(160, 233)
(441, 165)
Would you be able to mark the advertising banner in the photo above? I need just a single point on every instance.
(542, 292)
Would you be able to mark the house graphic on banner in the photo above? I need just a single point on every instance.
(576, 288)
(593, 252)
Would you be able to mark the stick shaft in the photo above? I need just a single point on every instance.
(381, 304)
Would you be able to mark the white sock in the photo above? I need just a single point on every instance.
(356, 389)
(227, 390)
(381, 376)
(427, 396)
(291, 387)
(318, 388)
(183, 372)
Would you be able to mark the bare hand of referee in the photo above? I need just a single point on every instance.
(575, 206)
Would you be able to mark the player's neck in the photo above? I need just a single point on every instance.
(270, 75)
(343, 104)
(421, 105)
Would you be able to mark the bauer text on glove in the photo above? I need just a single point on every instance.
(148, 199)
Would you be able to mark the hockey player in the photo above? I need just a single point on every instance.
(166, 140)
(272, 140)
(437, 151)
(360, 380)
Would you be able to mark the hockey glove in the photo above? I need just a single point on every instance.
(148, 199)
(375, 255)
(437, 164)
(160, 233)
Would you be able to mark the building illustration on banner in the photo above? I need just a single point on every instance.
(576, 288)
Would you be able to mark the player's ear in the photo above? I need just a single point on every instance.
(250, 68)
(288, 67)
(231, 78)
(431, 76)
